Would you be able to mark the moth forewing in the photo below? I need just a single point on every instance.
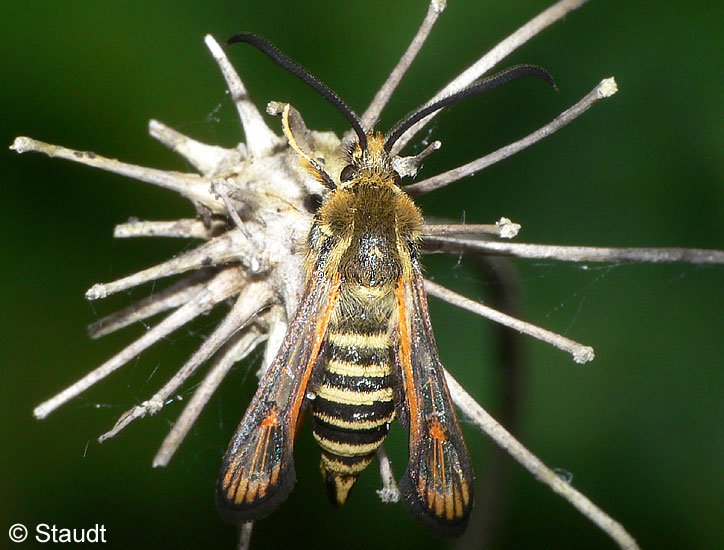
(437, 486)
(257, 471)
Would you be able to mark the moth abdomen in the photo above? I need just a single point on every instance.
(354, 404)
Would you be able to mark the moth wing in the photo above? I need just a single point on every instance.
(257, 471)
(437, 486)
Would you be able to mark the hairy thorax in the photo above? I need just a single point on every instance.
(370, 229)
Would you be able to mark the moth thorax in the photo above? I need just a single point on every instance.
(372, 260)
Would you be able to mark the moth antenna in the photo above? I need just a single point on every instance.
(303, 74)
(479, 86)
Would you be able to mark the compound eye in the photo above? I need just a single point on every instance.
(348, 173)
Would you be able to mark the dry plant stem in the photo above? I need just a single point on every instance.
(210, 160)
(260, 140)
(245, 535)
(555, 13)
(174, 296)
(191, 186)
(605, 88)
(237, 350)
(225, 284)
(389, 492)
(473, 411)
(579, 253)
(505, 228)
(372, 114)
(458, 228)
(252, 298)
(184, 229)
(232, 246)
(580, 353)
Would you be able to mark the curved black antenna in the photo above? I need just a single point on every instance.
(300, 72)
(481, 85)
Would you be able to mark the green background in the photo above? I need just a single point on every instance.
(639, 429)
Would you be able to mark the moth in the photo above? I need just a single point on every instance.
(360, 350)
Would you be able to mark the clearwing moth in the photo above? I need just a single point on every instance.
(361, 341)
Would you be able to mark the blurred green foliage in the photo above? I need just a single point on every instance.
(639, 429)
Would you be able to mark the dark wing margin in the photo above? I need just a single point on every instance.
(257, 472)
(437, 487)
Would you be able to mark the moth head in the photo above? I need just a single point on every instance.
(372, 164)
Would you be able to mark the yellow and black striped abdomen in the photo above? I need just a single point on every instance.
(353, 405)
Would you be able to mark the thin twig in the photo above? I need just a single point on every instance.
(555, 13)
(232, 246)
(184, 229)
(503, 228)
(252, 298)
(605, 88)
(246, 342)
(372, 114)
(260, 140)
(225, 284)
(245, 535)
(580, 353)
(389, 492)
(210, 160)
(171, 297)
(472, 410)
(191, 186)
(579, 253)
